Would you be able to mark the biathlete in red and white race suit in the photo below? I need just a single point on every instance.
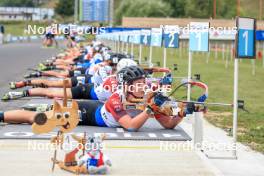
(112, 113)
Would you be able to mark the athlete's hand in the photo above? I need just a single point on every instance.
(156, 100)
(165, 110)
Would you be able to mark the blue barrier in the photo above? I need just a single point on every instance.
(260, 35)
(121, 29)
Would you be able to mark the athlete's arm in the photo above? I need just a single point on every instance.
(115, 107)
(134, 123)
(168, 122)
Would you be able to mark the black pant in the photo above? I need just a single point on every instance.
(88, 109)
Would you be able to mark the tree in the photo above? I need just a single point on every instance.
(198, 8)
(142, 8)
(204, 8)
(227, 9)
(65, 8)
(17, 3)
(178, 7)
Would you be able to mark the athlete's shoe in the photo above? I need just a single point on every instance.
(42, 67)
(47, 63)
(38, 107)
(12, 96)
(12, 85)
(15, 85)
(33, 75)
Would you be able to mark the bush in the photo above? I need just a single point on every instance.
(65, 8)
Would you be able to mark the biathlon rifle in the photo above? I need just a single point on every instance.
(166, 103)
(151, 70)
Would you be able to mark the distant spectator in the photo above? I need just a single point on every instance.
(2, 31)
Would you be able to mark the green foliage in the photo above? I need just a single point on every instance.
(65, 7)
(198, 8)
(142, 8)
(204, 8)
(226, 9)
(17, 3)
(178, 7)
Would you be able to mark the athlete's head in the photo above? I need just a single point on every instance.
(133, 79)
(125, 63)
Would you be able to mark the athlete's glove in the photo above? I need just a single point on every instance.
(166, 109)
(155, 102)
(161, 104)
(166, 80)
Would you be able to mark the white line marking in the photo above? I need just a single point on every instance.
(152, 135)
(120, 130)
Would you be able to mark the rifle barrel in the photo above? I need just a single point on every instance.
(205, 103)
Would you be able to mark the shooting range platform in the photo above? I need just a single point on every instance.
(150, 131)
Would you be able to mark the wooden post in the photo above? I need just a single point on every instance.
(65, 82)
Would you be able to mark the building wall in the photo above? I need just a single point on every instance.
(11, 17)
(38, 13)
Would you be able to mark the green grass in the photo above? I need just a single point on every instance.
(250, 8)
(220, 82)
(17, 28)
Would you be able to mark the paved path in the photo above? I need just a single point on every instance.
(128, 158)
(15, 59)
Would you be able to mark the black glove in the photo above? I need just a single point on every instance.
(190, 108)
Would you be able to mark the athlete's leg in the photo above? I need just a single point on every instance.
(18, 116)
(62, 74)
(49, 83)
(56, 43)
(64, 67)
(44, 41)
(62, 61)
(44, 92)
(51, 93)
(40, 83)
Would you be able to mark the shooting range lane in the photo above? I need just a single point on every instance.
(27, 55)
(150, 131)
(15, 59)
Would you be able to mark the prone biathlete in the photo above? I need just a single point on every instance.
(83, 91)
(82, 87)
(112, 113)
(100, 73)
(81, 60)
(77, 69)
